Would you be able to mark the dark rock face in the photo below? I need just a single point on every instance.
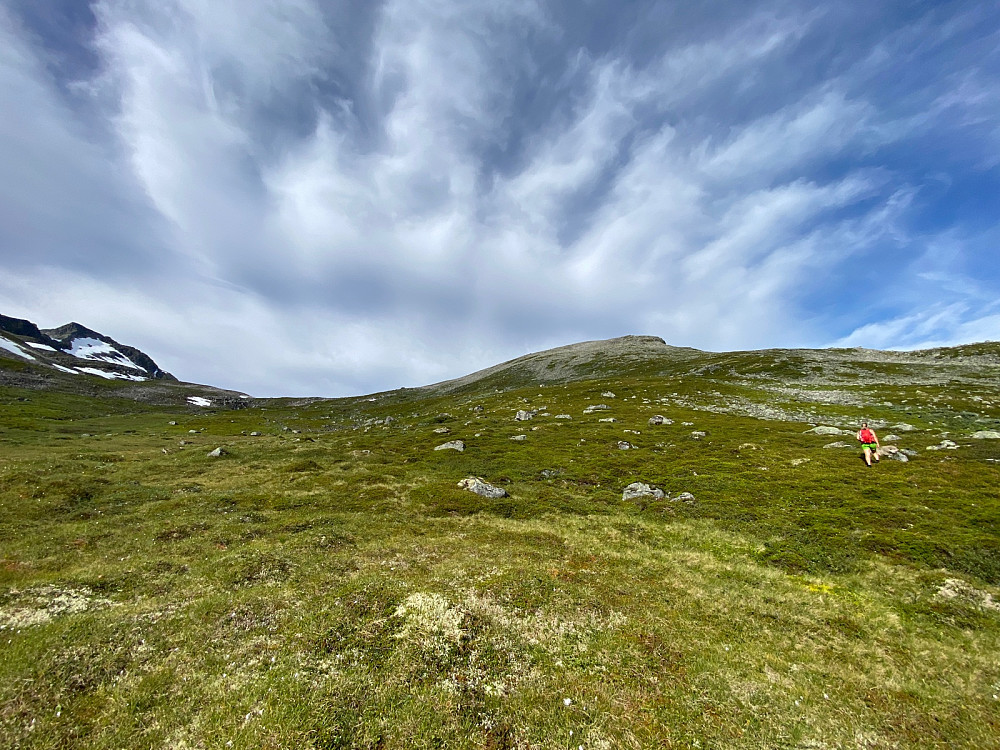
(27, 330)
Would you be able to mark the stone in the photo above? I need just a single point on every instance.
(453, 445)
(824, 430)
(903, 427)
(799, 461)
(218, 452)
(755, 447)
(838, 444)
(892, 453)
(482, 487)
(478, 409)
(944, 445)
(607, 419)
(908, 452)
(563, 416)
(640, 489)
(684, 497)
(625, 445)
(892, 438)
(607, 394)
(519, 437)
(659, 419)
(192, 432)
(698, 434)
(524, 416)
(596, 407)
(254, 434)
(172, 423)
(441, 431)
(986, 435)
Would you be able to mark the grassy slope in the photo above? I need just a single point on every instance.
(333, 588)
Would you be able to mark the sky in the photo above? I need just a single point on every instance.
(333, 197)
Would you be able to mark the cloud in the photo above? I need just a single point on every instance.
(318, 197)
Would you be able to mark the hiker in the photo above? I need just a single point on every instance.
(869, 443)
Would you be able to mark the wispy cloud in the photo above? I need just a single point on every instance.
(327, 198)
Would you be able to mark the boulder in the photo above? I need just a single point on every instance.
(892, 438)
(519, 438)
(625, 445)
(986, 435)
(684, 497)
(523, 416)
(944, 445)
(608, 394)
(254, 434)
(218, 453)
(839, 444)
(892, 453)
(659, 419)
(453, 445)
(903, 427)
(824, 430)
(482, 487)
(607, 419)
(698, 434)
(441, 431)
(563, 416)
(596, 407)
(640, 489)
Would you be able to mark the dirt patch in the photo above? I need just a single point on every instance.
(42, 604)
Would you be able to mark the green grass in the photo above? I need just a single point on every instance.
(327, 585)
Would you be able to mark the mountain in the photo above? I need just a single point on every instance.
(76, 359)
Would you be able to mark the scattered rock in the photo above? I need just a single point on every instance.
(838, 444)
(563, 416)
(944, 445)
(482, 487)
(684, 497)
(659, 419)
(908, 452)
(596, 407)
(956, 588)
(752, 447)
(892, 453)
(192, 432)
(903, 427)
(986, 435)
(824, 430)
(640, 489)
(607, 419)
(549, 473)
(698, 434)
(478, 409)
(892, 438)
(687, 424)
(453, 445)
(441, 431)
(254, 434)
(799, 461)
(624, 445)
(172, 423)
(608, 394)
(218, 453)
(519, 437)
(523, 416)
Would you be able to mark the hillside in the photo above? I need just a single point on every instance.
(325, 583)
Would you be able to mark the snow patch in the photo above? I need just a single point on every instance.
(88, 348)
(109, 375)
(33, 345)
(66, 369)
(13, 348)
(198, 401)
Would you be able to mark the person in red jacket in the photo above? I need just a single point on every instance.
(869, 443)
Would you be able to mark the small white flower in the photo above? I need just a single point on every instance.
(827, 697)
(567, 701)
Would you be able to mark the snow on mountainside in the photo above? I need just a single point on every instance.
(75, 349)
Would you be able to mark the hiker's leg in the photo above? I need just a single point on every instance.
(868, 456)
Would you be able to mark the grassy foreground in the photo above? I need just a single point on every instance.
(327, 585)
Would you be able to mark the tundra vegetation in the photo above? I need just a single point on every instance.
(327, 584)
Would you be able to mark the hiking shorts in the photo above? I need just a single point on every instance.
(870, 446)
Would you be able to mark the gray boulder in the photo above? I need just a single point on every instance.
(659, 419)
(684, 497)
(824, 430)
(519, 438)
(892, 453)
(441, 430)
(625, 445)
(698, 434)
(903, 427)
(218, 453)
(482, 487)
(254, 434)
(838, 444)
(640, 489)
(524, 416)
(596, 407)
(563, 416)
(986, 435)
(944, 445)
(607, 419)
(453, 445)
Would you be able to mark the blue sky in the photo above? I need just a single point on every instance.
(316, 197)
